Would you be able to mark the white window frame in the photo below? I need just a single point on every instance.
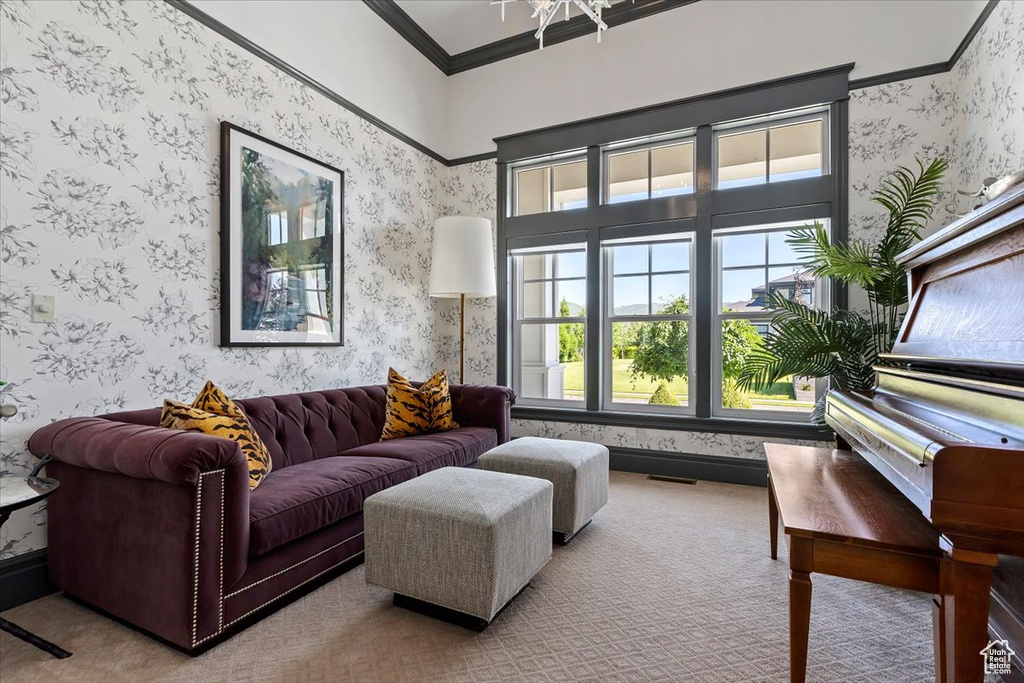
(518, 320)
(608, 318)
(550, 163)
(615, 150)
(283, 227)
(780, 120)
(319, 269)
(822, 297)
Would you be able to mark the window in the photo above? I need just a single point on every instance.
(752, 263)
(315, 286)
(785, 149)
(277, 227)
(549, 324)
(647, 340)
(650, 171)
(313, 220)
(550, 187)
(640, 312)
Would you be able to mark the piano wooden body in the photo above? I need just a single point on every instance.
(945, 424)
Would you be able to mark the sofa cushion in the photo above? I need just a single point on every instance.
(413, 410)
(212, 401)
(294, 501)
(455, 448)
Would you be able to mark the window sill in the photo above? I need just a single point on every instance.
(682, 423)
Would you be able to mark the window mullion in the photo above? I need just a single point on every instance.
(551, 188)
(650, 279)
(650, 173)
(592, 358)
(703, 294)
(594, 184)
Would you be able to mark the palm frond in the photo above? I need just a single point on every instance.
(850, 262)
(910, 199)
(805, 341)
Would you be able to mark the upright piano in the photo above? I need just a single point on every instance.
(945, 424)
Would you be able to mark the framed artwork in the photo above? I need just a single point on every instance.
(282, 246)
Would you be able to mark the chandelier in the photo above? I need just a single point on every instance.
(545, 11)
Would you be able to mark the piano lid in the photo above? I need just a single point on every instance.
(966, 310)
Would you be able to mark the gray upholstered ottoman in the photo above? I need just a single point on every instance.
(457, 543)
(578, 470)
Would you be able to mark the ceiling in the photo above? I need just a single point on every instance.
(461, 25)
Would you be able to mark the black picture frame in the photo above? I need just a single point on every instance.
(232, 256)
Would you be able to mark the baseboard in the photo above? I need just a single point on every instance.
(24, 578)
(747, 471)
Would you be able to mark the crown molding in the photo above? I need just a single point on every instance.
(522, 43)
(558, 32)
(930, 69)
(405, 26)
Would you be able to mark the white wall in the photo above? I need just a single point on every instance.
(700, 48)
(349, 49)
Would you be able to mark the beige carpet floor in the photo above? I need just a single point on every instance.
(671, 582)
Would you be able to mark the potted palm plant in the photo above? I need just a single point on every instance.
(844, 345)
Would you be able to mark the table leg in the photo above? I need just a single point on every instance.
(799, 624)
(33, 639)
(773, 520)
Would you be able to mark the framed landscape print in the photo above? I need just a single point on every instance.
(282, 247)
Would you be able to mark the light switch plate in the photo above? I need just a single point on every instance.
(43, 308)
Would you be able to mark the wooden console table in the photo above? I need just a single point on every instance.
(841, 517)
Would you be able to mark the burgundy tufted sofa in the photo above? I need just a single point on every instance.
(158, 528)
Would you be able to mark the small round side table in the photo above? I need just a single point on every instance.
(16, 493)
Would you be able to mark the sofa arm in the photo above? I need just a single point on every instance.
(139, 451)
(149, 524)
(477, 405)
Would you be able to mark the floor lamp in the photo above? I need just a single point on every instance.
(462, 265)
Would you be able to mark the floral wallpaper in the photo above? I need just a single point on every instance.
(973, 116)
(699, 443)
(890, 125)
(987, 98)
(109, 200)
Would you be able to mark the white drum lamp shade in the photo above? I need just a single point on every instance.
(462, 260)
(461, 266)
